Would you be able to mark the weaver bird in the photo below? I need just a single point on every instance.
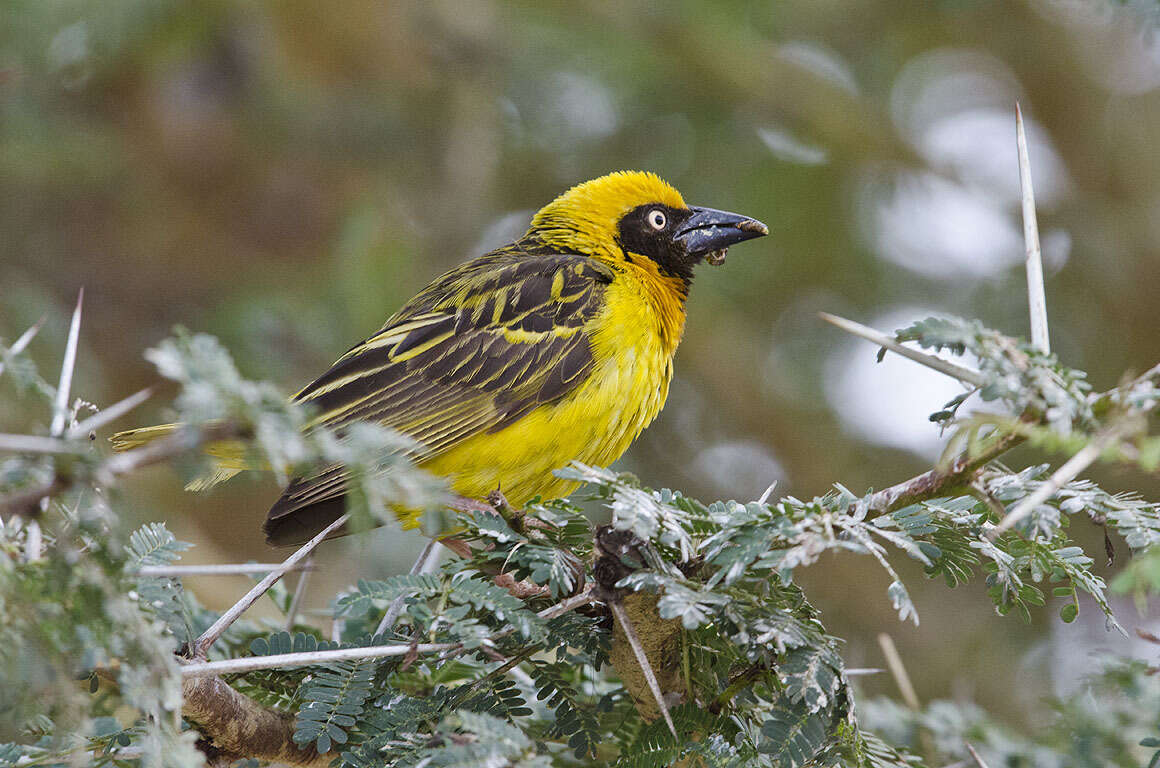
(557, 347)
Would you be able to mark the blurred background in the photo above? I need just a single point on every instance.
(284, 175)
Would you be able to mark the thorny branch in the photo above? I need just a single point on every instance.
(26, 503)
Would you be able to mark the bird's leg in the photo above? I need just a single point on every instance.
(500, 504)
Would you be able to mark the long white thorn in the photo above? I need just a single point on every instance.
(224, 569)
(945, 367)
(112, 413)
(34, 540)
(1036, 296)
(60, 406)
(642, 659)
(24, 340)
(262, 587)
(204, 668)
(248, 664)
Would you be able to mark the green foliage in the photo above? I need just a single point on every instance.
(334, 699)
(1016, 373)
(761, 682)
(1102, 724)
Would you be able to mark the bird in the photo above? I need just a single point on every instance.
(555, 348)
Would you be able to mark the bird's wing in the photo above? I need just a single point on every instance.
(475, 351)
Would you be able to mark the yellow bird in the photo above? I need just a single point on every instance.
(557, 347)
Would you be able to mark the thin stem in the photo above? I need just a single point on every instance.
(396, 606)
(642, 659)
(945, 367)
(978, 760)
(894, 662)
(299, 592)
(225, 569)
(208, 638)
(38, 444)
(1036, 296)
(941, 482)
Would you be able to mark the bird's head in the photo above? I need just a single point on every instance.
(630, 215)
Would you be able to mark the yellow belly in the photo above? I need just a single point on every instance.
(595, 425)
(633, 347)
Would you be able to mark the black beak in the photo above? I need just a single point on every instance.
(708, 230)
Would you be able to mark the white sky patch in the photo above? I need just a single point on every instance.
(890, 403)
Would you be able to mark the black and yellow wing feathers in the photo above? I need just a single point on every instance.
(476, 350)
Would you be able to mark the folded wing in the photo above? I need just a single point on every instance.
(476, 350)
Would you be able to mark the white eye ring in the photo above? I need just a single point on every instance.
(657, 219)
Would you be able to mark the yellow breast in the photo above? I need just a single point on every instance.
(633, 341)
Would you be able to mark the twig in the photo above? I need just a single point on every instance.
(299, 592)
(113, 412)
(226, 569)
(229, 617)
(27, 503)
(25, 339)
(1082, 459)
(203, 668)
(945, 367)
(1036, 296)
(894, 662)
(863, 671)
(229, 666)
(940, 482)
(38, 444)
(33, 539)
(396, 606)
(982, 763)
(650, 676)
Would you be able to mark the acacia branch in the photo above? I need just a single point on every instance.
(957, 476)
(26, 503)
(241, 727)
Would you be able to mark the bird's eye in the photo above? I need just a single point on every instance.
(657, 219)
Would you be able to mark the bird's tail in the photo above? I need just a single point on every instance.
(229, 455)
